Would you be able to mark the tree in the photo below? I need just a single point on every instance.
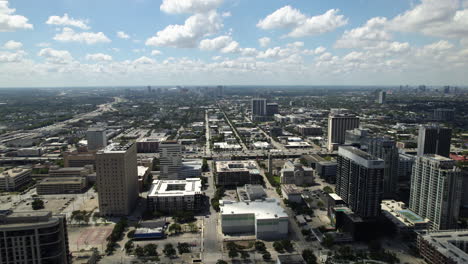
(129, 246)
(169, 250)
(328, 241)
(260, 246)
(37, 204)
(183, 248)
(233, 253)
(193, 227)
(309, 256)
(287, 245)
(266, 256)
(231, 245)
(278, 246)
(328, 189)
(220, 261)
(205, 165)
(139, 251)
(131, 234)
(245, 255)
(150, 250)
(306, 232)
(176, 228)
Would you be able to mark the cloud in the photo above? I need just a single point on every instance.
(69, 35)
(370, 34)
(188, 34)
(9, 21)
(264, 42)
(99, 57)
(122, 35)
(56, 56)
(12, 45)
(67, 21)
(156, 52)
(189, 6)
(226, 14)
(225, 44)
(43, 44)
(301, 25)
(12, 57)
(144, 60)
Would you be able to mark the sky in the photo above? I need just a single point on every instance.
(233, 42)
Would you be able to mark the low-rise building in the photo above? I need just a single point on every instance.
(290, 259)
(143, 175)
(61, 185)
(237, 172)
(251, 192)
(405, 221)
(444, 247)
(11, 180)
(295, 173)
(309, 130)
(266, 219)
(79, 158)
(29, 152)
(191, 168)
(176, 195)
(292, 193)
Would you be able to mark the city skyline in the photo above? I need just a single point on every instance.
(193, 42)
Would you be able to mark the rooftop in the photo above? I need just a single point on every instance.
(263, 209)
(62, 180)
(189, 186)
(401, 215)
(445, 243)
(116, 148)
(360, 157)
(14, 172)
(236, 165)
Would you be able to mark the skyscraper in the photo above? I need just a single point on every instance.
(436, 189)
(337, 126)
(434, 140)
(96, 137)
(117, 179)
(359, 181)
(382, 97)
(386, 149)
(259, 107)
(33, 237)
(170, 160)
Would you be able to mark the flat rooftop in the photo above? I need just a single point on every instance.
(116, 148)
(264, 209)
(189, 186)
(62, 180)
(360, 157)
(236, 165)
(13, 172)
(445, 243)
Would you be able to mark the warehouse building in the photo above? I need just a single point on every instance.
(266, 219)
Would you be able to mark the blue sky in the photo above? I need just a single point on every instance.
(196, 42)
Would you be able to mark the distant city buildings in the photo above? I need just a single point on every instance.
(237, 172)
(359, 181)
(33, 237)
(386, 150)
(337, 126)
(436, 190)
(12, 179)
(96, 137)
(170, 160)
(296, 173)
(434, 140)
(176, 195)
(262, 110)
(117, 179)
(444, 115)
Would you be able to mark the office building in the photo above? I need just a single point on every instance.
(444, 115)
(436, 190)
(117, 179)
(61, 185)
(266, 219)
(382, 97)
(434, 140)
(148, 145)
(295, 173)
(237, 172)
(176, 195)
(56, 171)
(386, 149)
(96, 137)
(309, 130)
(444, 247)
(170, 160)
(259, 107)
(33, 237)
(12, 179)
(359, 181)
(337, 126)
(326, 170)
(79, 158)
(272, 109)
(405, 222)
(357, 137)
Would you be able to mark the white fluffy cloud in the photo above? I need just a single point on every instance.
(67, 21)
(12, 57)
(144, 60)
(371, 34)
(301, 25)
(12, 45)
(156, 52)
(264, 42)
(188, 34)
(189, 6)
(56, 56)
(122, 35)
(69, 35)
(225, 44)
(9, 21)
(99, 57)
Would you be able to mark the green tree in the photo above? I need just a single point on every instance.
(176, 228)
(260, 246)
(169, 250)
(37, 204)
(328, 241)
(287, 245)
(139, 251)
(233, 253)
(220, 261)
(150, 250)
(129, 246)
(328, 189)
(183, 248)
(266, 256)
(131, 234)
(278, 246)
(245, 255)
(309, 256)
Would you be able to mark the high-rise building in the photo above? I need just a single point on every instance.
(117, 179)
(436, 189)
(96, 137)
(337, 126)
(359, 181)
(386, 149)
(434, 140)
(272, 109)
(259, 107)
(382, 97)
(33, 237)
(444, 115)
(170, 160)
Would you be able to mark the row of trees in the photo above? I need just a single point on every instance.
(217, 196)
(116, 235)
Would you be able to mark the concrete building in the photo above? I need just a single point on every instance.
(148, 145)
(436, 190)
(295, 173)
(251, 192)
(382, 97)
(30, 152)
(326, 170)
(79, 158)
(56, 171)
(61, 185)
(359, 181)
(434, 140)
(444, 247)
(309, 130)
(170, 160)
(33, 237)
(191, 168)
(405, 221)
(237, 172)
(176, 195)
(444, 115)
(337, 126)
(266, 219)
(405, 165)
(96, 137)
(117, 179)
(291, 193)
(272, 109)
(386, 149)
(13, 179)
(357, 137)
(259, 107)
